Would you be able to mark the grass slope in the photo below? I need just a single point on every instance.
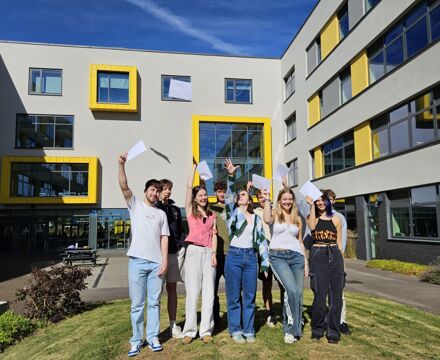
(381, 329)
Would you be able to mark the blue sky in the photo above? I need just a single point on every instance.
(238, 27)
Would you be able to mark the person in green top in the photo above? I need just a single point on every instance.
(222, 242)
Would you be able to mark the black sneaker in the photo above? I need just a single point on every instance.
(344, 329)
(332, 340)
(316, 337)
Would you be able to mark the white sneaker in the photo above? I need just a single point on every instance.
(176, 331)
(289, 338)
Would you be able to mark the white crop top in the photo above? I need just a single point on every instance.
(245, 238)
(285, 236)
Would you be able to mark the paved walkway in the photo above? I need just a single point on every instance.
(109, 282)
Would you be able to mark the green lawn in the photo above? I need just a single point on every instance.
(381, 329)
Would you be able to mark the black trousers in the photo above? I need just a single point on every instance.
(326, 281)
(220, 271)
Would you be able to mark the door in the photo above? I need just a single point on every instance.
(372, 230)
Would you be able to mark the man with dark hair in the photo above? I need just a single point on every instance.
(175, 251)
(222, 242)
(330, 194)
(148, 261)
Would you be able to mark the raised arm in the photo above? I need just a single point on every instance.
(267, 210)
(189, 186)
(230, 190)
(311, 219)
(123, 183)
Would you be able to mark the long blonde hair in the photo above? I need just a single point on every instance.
(278, 211)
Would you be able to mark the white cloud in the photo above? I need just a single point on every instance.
(183, 25)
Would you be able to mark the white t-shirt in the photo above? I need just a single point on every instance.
(148, 224)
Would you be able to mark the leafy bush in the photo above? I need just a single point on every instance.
(402, 267)
(52, 295)
(432, 275)
(13, 327)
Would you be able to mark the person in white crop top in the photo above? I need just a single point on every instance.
(287, 260)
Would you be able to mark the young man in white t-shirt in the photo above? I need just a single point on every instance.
(148, 261)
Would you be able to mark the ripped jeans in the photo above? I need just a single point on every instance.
(288, 267)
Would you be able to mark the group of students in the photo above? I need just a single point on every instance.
(234, 240)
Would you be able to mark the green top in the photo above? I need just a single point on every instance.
(222, 228)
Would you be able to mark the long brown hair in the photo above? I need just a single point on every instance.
(294, 217)
(250, 206)
(195, 207)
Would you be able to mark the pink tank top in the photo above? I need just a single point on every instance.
(200, 233)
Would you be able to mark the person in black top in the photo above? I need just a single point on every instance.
(175, 251)
(326, 269)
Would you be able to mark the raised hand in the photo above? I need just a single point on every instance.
(230, 167)
(122, 158)
(249, 186)
(309, 200)
(284, 180)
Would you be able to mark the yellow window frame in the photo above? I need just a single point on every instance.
(94, 105)
(267, 140)
(6, 198)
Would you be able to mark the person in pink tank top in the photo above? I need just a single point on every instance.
(200, 262)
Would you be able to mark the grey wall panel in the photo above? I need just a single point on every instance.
(355, 11)
(312, 57)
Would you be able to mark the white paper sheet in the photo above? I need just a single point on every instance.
(260, 182)
(180, 89)
(136, 150)
(308, 189)
(204, 170)
(281, 171)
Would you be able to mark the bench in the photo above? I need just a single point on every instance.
(72, 255)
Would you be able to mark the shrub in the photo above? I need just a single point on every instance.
(13, 327)
(54, 294)
(402, 267)
(432, 275)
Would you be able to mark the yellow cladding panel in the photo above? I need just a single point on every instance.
(267, 139)
(359, 73)
(318, 163)
(314, 109)
(329, 36)
(94, 105)
(6, 198)
(362, 144)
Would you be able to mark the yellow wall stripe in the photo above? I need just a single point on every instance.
(314, 109)
(329, 36)
(363, 151)
(319, 168)
(359, 73)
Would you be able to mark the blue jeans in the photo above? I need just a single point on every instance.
(288, 267)
(142, 279)
(241, 278)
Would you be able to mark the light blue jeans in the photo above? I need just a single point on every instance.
(143, 280)
(288, 267)
(241, 286)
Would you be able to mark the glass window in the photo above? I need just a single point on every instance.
(416, 37)
(44, 131)
(290, 128)
(343, 22)
(289, 82)
(422, 128)
(166, 79)
(415, 14)
(376, 66)
(313, 55)
(425, 194)
(435, 22)
(49, 179)
(292, 176)
(345, 85)
(369, 4)
(399, 136)
(45, 81)
(394, 54)
(398, 114)
(238, 91)
(113, 87)
(400, 222)
(242, 142)
(425, 221)
(339, 154)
